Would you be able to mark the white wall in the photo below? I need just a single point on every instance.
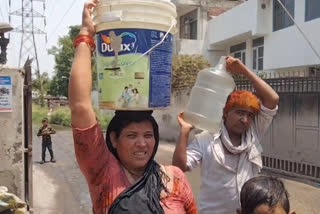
(237, 21)
(95, 98)
(12, 137)
(287, 47)
(188, 47)
(212, 55)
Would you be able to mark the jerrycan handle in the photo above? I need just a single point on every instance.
(222, 69)
(222, 64)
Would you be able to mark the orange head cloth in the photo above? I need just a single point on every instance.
(243, 99)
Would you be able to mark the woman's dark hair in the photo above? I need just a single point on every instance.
(145, 194)
(263, 190)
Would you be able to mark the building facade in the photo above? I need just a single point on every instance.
(263, 36)
(193, 17)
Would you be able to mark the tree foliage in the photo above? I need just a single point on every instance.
(63, 54)
(45, 80)
(185, 69)
(38, 91)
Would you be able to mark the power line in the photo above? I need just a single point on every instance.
(58, 25)
(303, 34)
(28, 30)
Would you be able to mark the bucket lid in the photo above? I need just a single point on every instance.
(139, 12)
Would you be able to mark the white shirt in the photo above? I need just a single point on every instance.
(223, 175)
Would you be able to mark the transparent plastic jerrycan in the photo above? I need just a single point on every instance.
(208, 97)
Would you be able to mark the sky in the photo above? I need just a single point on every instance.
(60, 14)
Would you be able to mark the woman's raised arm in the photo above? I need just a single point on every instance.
(80, 84)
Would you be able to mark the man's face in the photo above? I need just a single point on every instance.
(238, 120)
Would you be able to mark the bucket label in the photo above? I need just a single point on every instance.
(126, 78)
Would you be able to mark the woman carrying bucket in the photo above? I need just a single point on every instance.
(121, 172)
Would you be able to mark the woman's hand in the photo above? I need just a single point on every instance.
(183, 124)
(88, 27)
(235, 66)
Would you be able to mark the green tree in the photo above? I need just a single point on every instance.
(45, 80)
(63, 54)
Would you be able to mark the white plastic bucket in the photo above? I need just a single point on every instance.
(134, 53)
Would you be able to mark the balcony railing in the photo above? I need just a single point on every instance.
(287, 85)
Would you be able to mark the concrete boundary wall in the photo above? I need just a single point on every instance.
(12, 137)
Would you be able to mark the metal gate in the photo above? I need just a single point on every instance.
(27, 93)
(292, 143)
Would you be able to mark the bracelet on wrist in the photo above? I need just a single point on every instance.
(84, 38)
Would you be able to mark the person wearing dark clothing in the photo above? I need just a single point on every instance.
(45, 131)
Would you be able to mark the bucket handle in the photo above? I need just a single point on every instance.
(156, 45)
(148, 51)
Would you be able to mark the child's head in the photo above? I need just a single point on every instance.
(264, 195)
(45, 121)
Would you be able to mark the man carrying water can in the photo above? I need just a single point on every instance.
(232, 156)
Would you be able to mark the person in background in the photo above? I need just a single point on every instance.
(120, 170)
(45, 131)
(232, 156)
(264, 195)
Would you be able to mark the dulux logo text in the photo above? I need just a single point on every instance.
(124, 47)
(124, 42)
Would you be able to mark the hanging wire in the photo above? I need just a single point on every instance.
(298, 27)
(58, 25)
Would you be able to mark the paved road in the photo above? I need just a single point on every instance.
(60, 188)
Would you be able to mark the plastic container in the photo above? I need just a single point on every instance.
(134, 53)
(208, 97)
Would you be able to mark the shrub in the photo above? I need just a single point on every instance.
(61, 116)
(185, 69)
(38, 113)
(103, 118)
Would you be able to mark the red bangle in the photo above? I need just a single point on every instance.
(84, 38)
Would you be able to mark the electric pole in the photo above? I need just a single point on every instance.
(28, 30)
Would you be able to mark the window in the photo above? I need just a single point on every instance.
(257, 54)
(280, 17)
(239, 51)
(189, 25)
(312, 9)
